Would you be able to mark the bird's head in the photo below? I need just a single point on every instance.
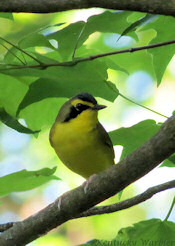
(83, 106)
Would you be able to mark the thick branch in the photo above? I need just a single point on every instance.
(4, 227)
(117, 206)
(100, 187)
(45, 6)
(129, 202)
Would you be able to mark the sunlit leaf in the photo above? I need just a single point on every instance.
(164, 26)
(133, 137)
(102, 23)
(170, 162)
(149, 232)
(141, 22)
(6, 15)
(12, 92)
(33, 40)
(67, 39)
(25, 180)
(79, 32)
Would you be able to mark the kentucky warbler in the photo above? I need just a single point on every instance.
(78, 138)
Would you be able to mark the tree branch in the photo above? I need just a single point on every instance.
(88, 58)
(45, 6)
(117, 206)
(129, 202)
(100, 187)
(4, 227)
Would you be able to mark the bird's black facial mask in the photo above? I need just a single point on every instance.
(76, 110)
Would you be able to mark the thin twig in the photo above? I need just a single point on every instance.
(129, 202)
(90, 58)
(170, 210)
(23, 51)
(12, 53)
(76, 44)
(143, 106)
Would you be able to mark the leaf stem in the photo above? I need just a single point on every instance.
(76, 44)
(84, 59)
(23, 51)
(12, 53)
(170, 210)
(128, 99)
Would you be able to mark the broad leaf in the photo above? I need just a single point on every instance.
(141, 22)
(69, 81)
(170, 162)
(33, 40)
(6, 15)
(25, 180)
(67, 39)
(149, 232)
(12, 92)
(133, 137)
(12, 122)
(79, 32)
(164, 26)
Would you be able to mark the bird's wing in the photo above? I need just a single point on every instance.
(106, 139)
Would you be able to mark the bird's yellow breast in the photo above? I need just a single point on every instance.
(79, 146)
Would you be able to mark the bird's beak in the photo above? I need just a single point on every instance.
(98, 107)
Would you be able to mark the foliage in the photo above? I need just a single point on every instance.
(150, 232)
(51, 61)
(25, 180)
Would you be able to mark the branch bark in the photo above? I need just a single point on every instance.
(129, 202)
(85, 59)
(100, 187)
(45, 6)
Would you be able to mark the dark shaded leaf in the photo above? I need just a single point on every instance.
(14, 123)
(69, 81)
(144, 20)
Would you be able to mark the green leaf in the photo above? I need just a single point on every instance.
(149, 232)
(79, 32)
(164, 27)
(67, 38)
(25, 180)
(12, 122)
(69, 81)
(12, 92)
(84, 52)
(141, 22)
(42, 114)
(6, 16)
(102, 23)
(133, 137)
(170, 162)
(33, 40)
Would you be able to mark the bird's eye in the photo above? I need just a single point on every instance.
(79, 106)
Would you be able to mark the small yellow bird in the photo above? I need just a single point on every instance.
(78, 138)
